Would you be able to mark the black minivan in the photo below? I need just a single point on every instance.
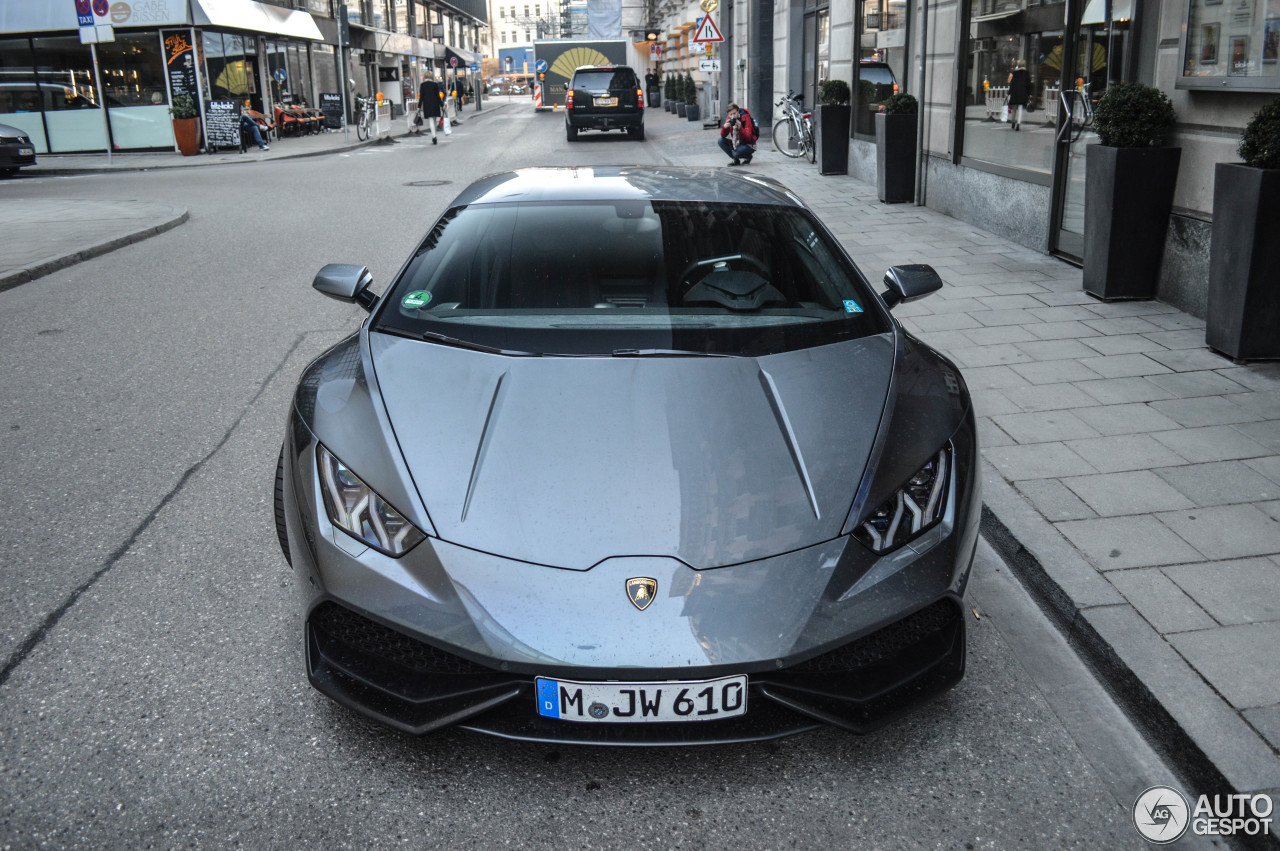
(604, 97)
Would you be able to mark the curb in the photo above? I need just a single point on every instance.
(1058, 578)
(21, 276)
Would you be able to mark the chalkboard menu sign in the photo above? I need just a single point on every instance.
(222, 124)
(180, 61)
(331, 106)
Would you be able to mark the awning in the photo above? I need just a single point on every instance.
(464, 57)
(995, 16)
(255, 17)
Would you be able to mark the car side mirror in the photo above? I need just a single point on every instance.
(347, 282)
(909, 283)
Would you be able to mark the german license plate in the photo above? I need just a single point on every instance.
(639, 703)
(26, 152)
(606, 101)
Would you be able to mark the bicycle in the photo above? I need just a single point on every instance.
(364, 117)
(793, 132)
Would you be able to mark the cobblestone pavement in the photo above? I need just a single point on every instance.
(1131, 475)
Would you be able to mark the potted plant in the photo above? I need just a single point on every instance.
(834, 113)
(1244, 250)
(668, 94)
(1128, 194)
(692, 111)
(186, 126)
(896, 149)
(682, 105)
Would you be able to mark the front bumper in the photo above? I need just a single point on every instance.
(413, 686)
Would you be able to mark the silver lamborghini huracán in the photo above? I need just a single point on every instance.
(630, 456)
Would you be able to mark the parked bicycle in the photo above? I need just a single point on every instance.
(793, 132)
(365, 110)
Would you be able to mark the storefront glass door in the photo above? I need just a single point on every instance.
(1095, 57)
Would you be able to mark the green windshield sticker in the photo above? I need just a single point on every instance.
(851, 306)
(416, 299)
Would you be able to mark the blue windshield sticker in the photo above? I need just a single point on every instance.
(416, 299)
(851, 306)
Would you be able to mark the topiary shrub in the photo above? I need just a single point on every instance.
(834, 93)
(901, 104)
(1260, 141)
(1133, 115)
(690, 89)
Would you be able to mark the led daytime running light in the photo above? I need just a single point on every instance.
(355, 509)
(912, 509)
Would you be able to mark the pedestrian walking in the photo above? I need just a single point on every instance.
(1019, 91)
(430, 103)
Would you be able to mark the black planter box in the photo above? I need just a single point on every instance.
(693, 112)
(833, 138)
(896, 157)
(1243, 319)
(1128, 195)
(680, 108)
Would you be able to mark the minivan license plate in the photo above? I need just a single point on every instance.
(638, 703)
(606, 101)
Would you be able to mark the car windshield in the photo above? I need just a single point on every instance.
(630, 277)
(605, 78)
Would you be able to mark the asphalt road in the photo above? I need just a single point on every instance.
(154, 694)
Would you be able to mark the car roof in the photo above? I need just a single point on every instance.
(627, 183)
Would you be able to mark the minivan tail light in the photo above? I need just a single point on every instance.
(568, 104)
(640, 97)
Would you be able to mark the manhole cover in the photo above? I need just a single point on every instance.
(428, 183)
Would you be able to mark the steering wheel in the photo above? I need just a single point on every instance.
(742, 260)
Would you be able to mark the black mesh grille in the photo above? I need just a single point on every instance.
(885, 643)
(358, 632)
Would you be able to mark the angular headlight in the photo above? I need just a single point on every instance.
(912, 509)
(360, 512)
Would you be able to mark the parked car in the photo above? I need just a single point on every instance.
(630, 455)
(16, 150)
(604, 97)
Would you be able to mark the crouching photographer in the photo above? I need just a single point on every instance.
(738, 135)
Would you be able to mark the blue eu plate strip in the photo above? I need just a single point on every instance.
(548, 699)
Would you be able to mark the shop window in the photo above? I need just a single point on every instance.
(322, 56)
(1231, 44)
(65, 71)
(18, 92)
(881, 66)
(132, 70)
(231, 74)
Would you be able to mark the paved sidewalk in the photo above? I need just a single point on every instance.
(1131, 476)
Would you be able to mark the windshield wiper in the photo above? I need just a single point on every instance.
(445, 340)
(666, 353)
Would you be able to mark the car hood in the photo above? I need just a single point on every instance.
(568, 461)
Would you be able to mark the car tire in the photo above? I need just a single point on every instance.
(7, 173)
(281, 532)
(571, 133)
(636, 133)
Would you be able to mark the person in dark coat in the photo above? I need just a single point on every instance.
(1019, 92)
(431, 104)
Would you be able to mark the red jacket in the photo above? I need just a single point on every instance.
(746, 133)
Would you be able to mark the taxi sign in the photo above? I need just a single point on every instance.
(707, 30)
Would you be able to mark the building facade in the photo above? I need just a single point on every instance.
(261, 54)
(1216, 60)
